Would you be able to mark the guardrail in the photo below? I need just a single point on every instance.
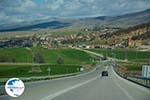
(136, 79)
(143, 81)
(139, 80)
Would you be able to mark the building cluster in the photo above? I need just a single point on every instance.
(54, 41)
(25, 42)
(126, 42)
(48, 41)
(70, 40)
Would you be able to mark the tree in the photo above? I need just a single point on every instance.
(104, 57)
(60, 60)
(6, 58)
(55, 44)
(3, 58)
(38, 58)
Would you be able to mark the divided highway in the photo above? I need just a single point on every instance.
(89, 86)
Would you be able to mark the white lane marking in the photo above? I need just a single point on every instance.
(126, 93)
(51, 96)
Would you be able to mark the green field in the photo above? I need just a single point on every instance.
(22, 59)
(131, 55)
(24, 70)
(24, 55)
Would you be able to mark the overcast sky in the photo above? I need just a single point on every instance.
(12, 11)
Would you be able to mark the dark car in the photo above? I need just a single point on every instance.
(104, 73)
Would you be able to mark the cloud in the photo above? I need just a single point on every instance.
(54, 4)
(27, 5)
(28, 10)
(3, 17)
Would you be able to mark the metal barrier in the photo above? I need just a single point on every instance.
(137, 79)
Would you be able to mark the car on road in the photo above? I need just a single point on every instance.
(97, 68)
(104, 73)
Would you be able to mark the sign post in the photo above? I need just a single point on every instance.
(49, 69)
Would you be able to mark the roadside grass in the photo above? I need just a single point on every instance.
(132, 66)
(7, 71)
(2, 83)
(131, 55)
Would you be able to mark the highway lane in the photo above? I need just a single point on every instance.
(39, 90)
(90, 86)
(107, 88)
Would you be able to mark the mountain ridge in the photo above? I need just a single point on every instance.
(124, 21)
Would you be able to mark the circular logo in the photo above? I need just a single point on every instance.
(14, 87)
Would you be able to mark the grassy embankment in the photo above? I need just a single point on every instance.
(24, 55)
(24, 70)
(73, 59)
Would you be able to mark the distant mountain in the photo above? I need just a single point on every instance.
(103, 17)
(122, 21)
(51, 25)
(129, 20)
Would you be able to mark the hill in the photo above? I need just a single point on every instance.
(138, 30)
(122, 21)
(144, 36)
(129, 20)
(138, 35)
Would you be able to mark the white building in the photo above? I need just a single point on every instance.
(146, 71)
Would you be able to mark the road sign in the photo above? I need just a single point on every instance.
(146, 71)
(82, 69)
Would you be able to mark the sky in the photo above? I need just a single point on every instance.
(14, 11)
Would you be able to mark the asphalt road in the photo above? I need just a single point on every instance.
(89, 86)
